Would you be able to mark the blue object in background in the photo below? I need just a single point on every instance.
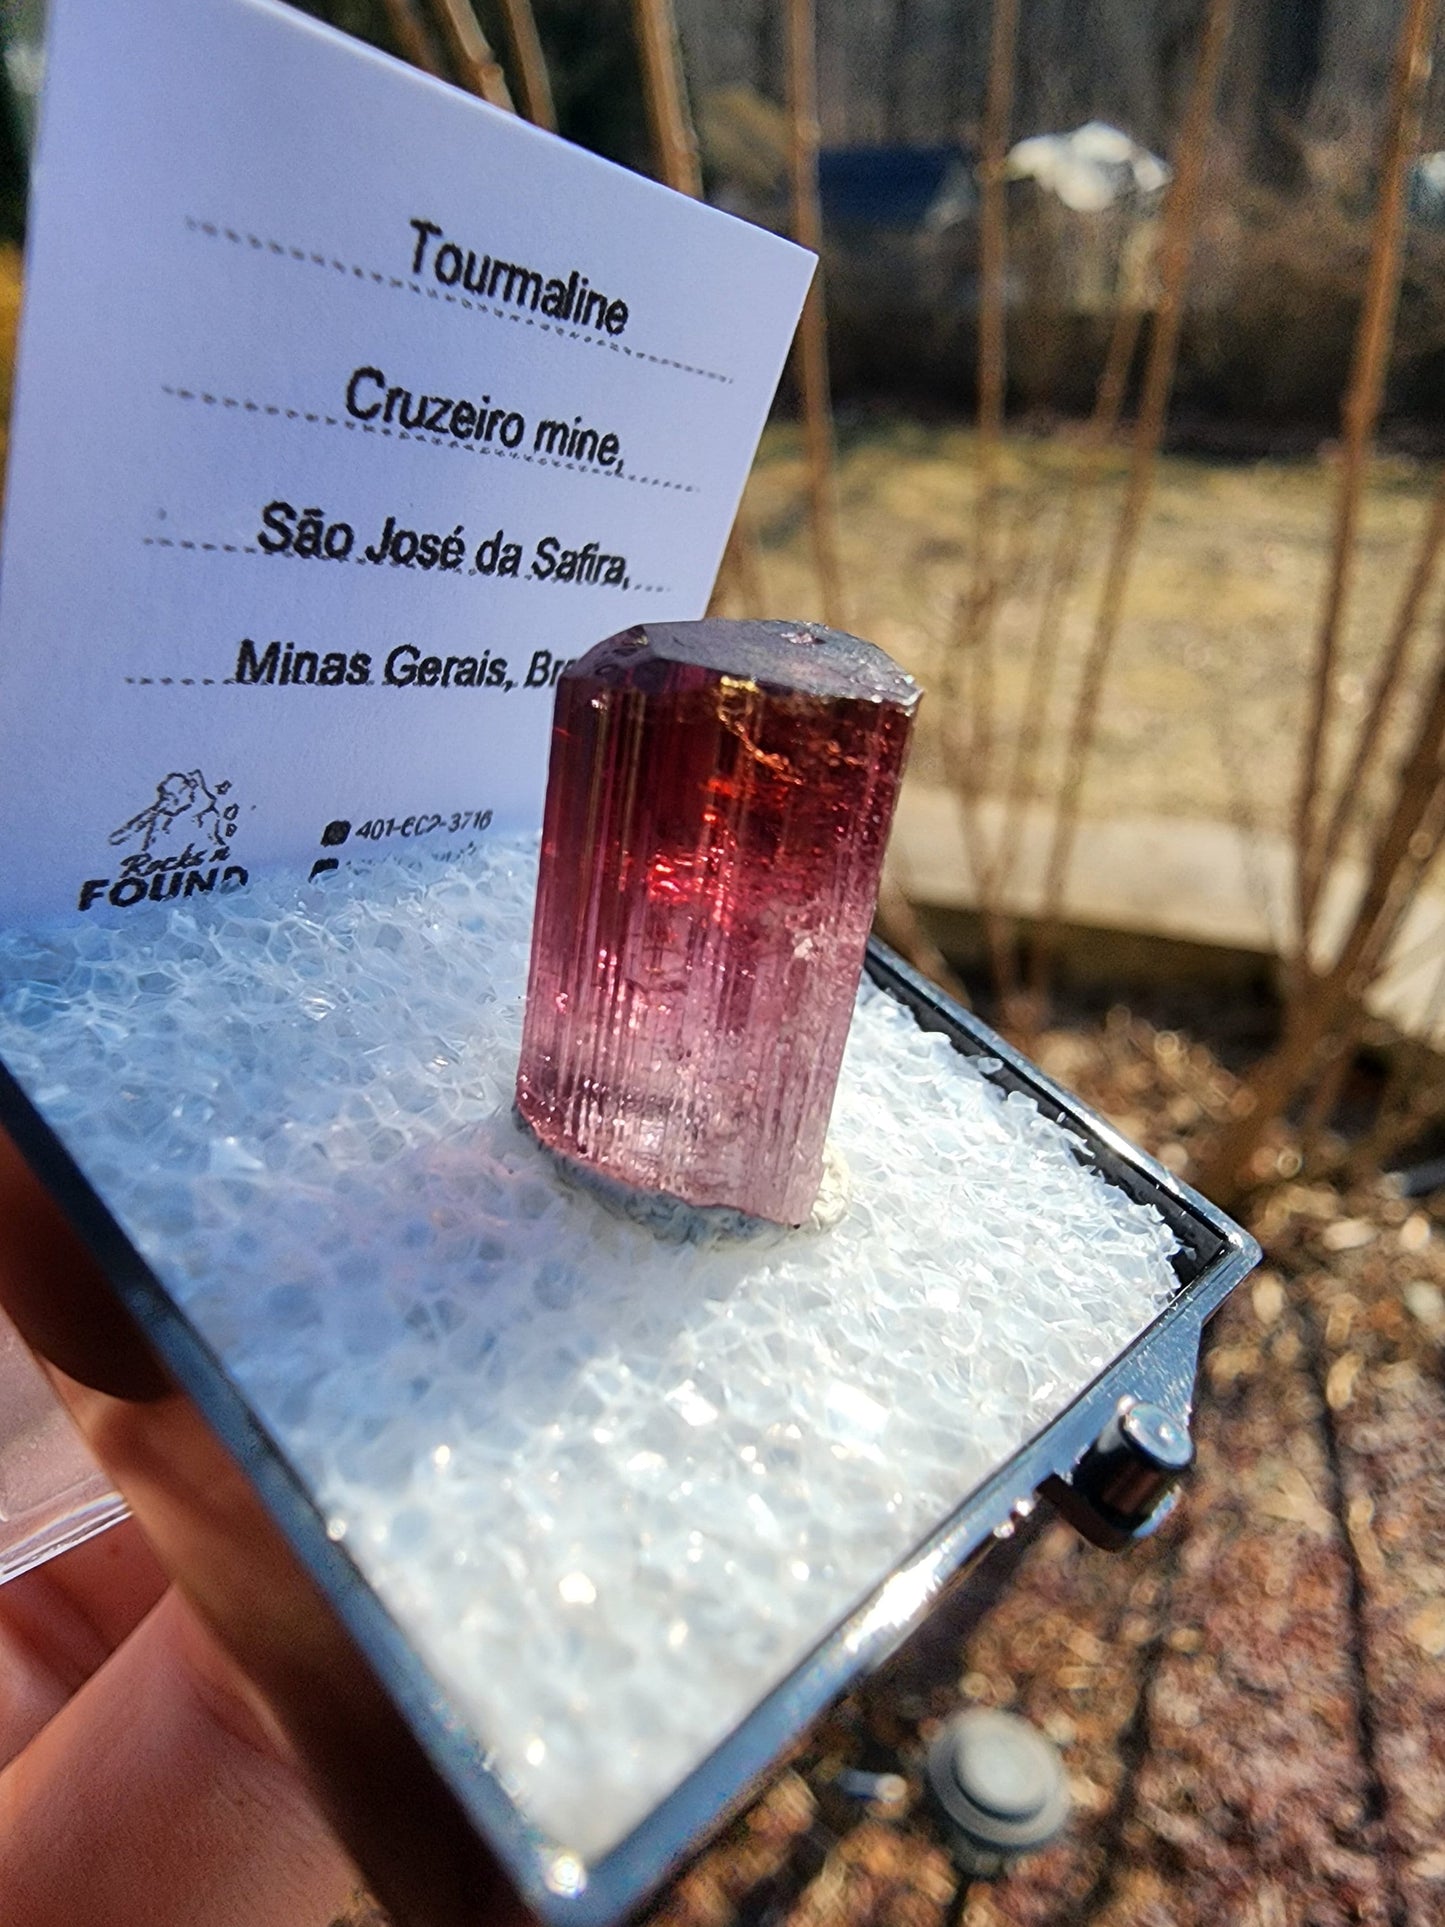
(895, 187)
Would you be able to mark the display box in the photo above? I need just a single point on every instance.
(546, 1537)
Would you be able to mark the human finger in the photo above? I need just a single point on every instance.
(61, 1622)
(52, 1289)
(157, 1797)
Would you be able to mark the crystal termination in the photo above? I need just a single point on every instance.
(718, 802)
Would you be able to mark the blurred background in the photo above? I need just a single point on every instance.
(1118, 416)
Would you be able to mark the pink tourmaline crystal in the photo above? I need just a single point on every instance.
(717, 805)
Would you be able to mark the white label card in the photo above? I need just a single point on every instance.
(349, 410)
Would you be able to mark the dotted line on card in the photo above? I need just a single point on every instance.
(215, 230)
(178, 682)
(317, 420)
(210, 548)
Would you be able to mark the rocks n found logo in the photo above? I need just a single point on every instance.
(177, 844)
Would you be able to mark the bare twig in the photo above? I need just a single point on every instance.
(992, 351)
(993, 247)
(475, 63)
(1391, 1135)
(533, 80)
(1241, 807)
(674, 142)
(1351, 795)
(1062, 574)
(812, 347)
(1023, 1014)
(1329, 1087)
(413, 36)
(966, 703)
(1413, 1098)
(900, 926)
(1421, 951)
(1176, 247)
(1339, 1047)
(740, 578)
(1360, 415)
(1421, 854)
(1407, 844)
(968, 684)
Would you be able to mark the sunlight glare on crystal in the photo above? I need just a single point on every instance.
(566, 1875)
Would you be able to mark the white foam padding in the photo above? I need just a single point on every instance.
(612, 1489)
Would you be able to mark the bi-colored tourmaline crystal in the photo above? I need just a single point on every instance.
(717, 805)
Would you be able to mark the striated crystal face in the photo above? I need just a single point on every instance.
(718, 801)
